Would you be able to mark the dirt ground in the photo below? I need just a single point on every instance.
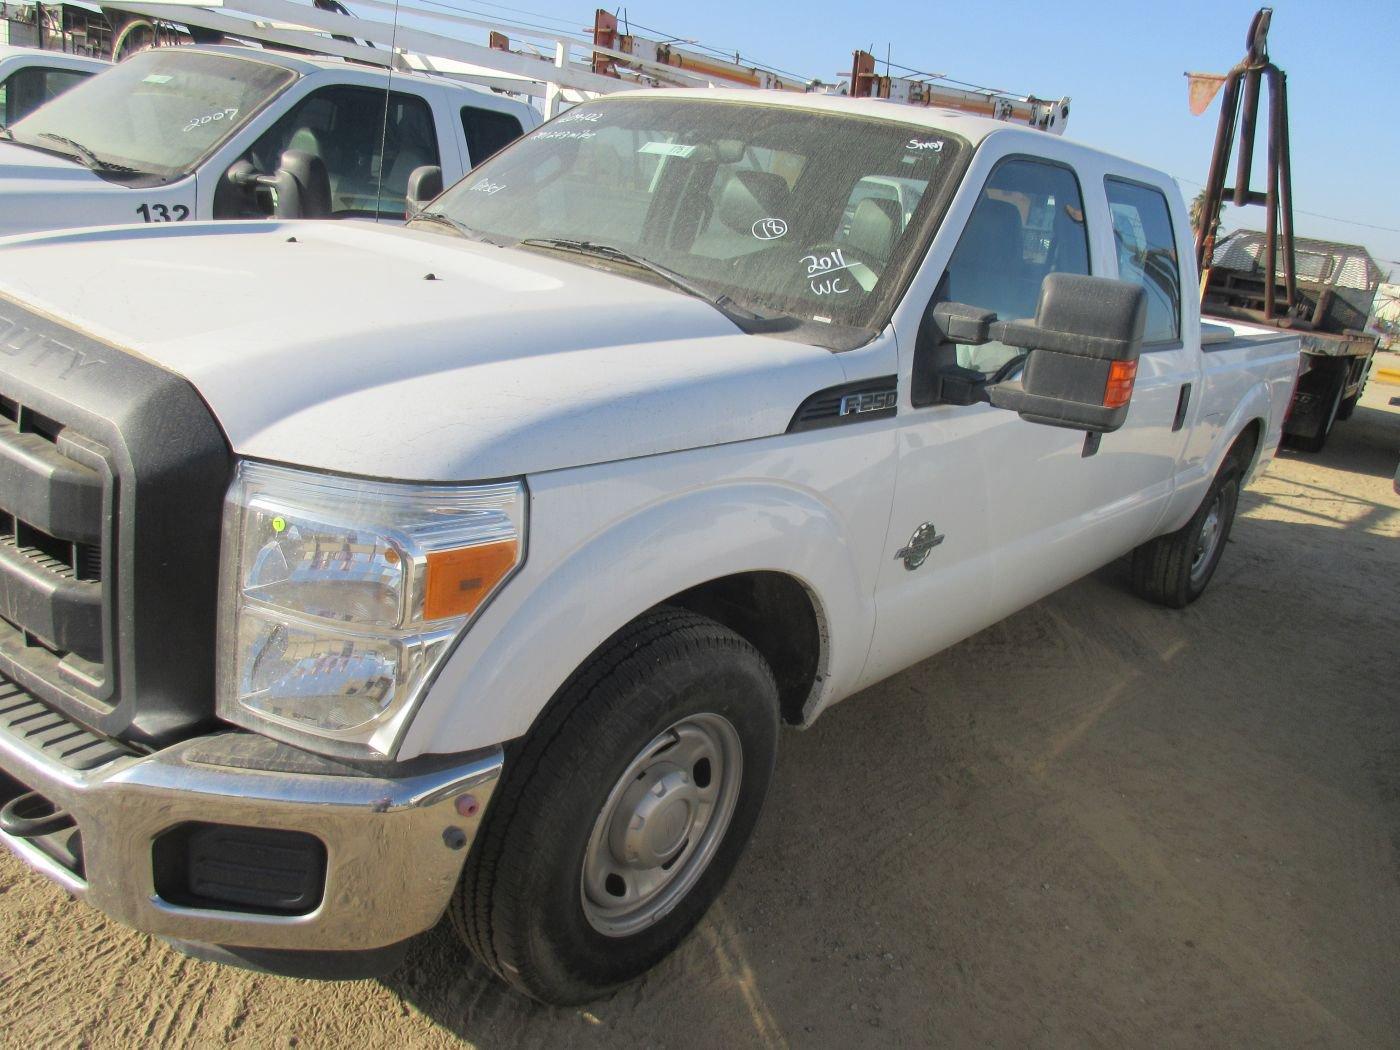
(1099, 823)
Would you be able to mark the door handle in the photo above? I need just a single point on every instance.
(1182, 401)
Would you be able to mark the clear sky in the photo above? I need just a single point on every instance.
(1121, 61)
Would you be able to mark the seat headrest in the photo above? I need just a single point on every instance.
(875, 226)
(996, 225)
(753, 195)
(306, 139)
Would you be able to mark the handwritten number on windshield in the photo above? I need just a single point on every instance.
(209, 118)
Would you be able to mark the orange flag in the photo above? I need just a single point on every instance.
(1202, 88)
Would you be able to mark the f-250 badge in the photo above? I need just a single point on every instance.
(925, 538)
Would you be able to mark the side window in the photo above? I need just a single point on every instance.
(27, 89)
(342, 126)
(488, 132)
(1142, 231)
(1028, 222)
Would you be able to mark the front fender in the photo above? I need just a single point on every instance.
(580, 584)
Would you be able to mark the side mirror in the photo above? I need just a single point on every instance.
(1083, 349)
(424, 184)
(1084, 345)
(300, 187)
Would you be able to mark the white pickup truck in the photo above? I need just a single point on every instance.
(31, 76)
(360, 574)
(223, 132)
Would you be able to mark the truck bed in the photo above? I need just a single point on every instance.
(1236, 358)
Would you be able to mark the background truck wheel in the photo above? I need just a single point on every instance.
(1330, 395)
(1347, 407)
(623, 811)
(1173, 570)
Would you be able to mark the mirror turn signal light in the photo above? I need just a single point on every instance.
(459, 580)
(1119, 390)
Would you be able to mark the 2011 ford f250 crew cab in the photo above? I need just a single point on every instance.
(356, 575)
(225, 132)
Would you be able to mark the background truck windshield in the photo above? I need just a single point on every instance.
(159, 112)
(816, 215)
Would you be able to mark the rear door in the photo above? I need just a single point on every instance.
(1149, 233)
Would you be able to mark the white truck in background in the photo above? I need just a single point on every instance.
(176, 134)
(356, 575)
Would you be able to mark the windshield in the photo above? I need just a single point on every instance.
(158, 113)
(814, 215)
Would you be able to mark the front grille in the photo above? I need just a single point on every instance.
(112, 477)
(55, 511)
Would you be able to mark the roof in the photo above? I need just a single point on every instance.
(16, 50)
(970, 127)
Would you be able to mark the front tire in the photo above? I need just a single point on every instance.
(624, 810)
(1173, 570)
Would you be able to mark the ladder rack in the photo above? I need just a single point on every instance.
(556, 68)
(1039, 113)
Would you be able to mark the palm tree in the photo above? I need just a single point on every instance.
(1198, 208)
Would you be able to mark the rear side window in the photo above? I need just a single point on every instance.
(1142, 232)
(488, 132)
(1027, 223)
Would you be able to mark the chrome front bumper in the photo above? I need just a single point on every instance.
(394, 847)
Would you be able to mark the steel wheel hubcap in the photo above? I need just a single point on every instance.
(1207, 540)
(661, 825)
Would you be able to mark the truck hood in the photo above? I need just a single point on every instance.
(411, 354)
(39, 191)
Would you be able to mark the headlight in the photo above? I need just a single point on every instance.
(340, 597)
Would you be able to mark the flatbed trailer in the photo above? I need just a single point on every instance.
(1335, 284)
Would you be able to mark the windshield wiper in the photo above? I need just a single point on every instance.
(443, 219)
(88, 157)
(749, 320)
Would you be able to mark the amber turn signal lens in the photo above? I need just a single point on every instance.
(1119, 390)
(459, 580)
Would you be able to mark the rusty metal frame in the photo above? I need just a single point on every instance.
(1239, 108)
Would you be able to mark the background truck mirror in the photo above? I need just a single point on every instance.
(424, 184)
(1083, 351)
(303, 186)
(300, 188)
